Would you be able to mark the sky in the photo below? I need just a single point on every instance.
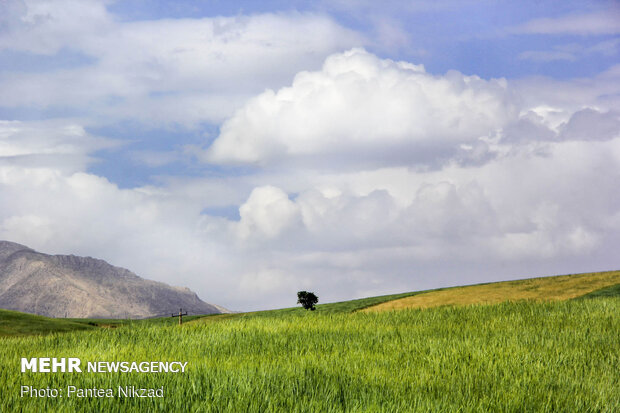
(249, 150)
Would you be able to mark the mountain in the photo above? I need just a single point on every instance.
(84, 287)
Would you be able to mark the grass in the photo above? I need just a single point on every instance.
(328, 308)
(116, 322)
(562, 287)
(13, 323)
(613, 291)
(509, 357)
(558, 287)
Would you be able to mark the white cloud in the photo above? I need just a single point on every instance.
(590, 124)
(45, 27)
(573, 51)
(60, 144)
(364, 109)
(609, 47)
(586, 124)
(547, 56)
(564, 97)
(530, 126)
(579, 24)
(523, 183)
(266, 213)
(183, 71)
(396, 7)
(343, 234)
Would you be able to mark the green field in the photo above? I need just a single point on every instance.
(13, 323)
(511, 356)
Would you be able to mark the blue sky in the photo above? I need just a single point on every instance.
(474, 37)
(479, 38)
(354, 148)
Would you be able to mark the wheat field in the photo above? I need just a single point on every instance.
(564, 287)
(560, 356)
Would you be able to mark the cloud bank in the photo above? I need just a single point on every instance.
(426, 174)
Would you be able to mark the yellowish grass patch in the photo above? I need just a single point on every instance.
(563, 287)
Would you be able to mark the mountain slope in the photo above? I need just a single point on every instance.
(71, 286)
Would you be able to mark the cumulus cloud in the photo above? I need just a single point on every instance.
(513, 210)
(342, 234)
(529, 127)
(519, 179)
(586, 124)
(266, 213)
(461, 210)
(556, 100)
(363, 112)
(591, 124)
(367, 109)
(83, 214)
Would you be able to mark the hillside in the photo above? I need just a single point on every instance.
(538, 356)
(81, 287)
(589, 285)
(13, 323)
(556, 288)
(451, 358)
(562, 287)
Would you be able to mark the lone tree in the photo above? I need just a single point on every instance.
(307, 300)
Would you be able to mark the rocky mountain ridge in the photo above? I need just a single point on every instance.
(85, 287)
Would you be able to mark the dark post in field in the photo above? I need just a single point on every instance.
(180, 315)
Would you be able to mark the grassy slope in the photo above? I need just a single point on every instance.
(329, 308)
(542, 356)
(558, 287)
(509, 357)
(116, 322)
(13, 323)
(613, 291)
(545, 288)
(562, 287)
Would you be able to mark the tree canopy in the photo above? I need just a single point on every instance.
(307, 300)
